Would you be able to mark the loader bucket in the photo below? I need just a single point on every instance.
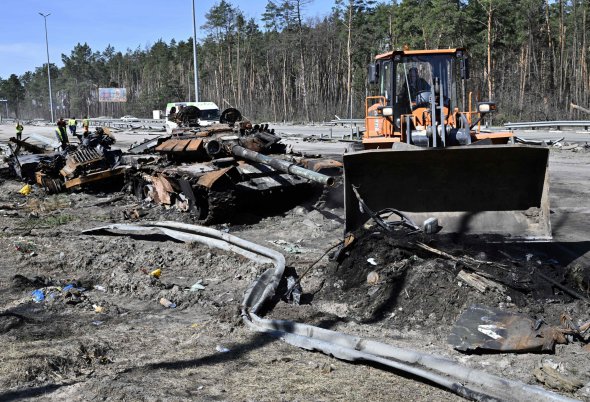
(497, 189)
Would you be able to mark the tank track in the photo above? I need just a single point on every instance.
(215, 207)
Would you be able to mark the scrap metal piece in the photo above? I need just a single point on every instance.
(167, 146)
(181, 145)
(187, 191)
(25, 166)
(32, 148)
(194, 145)
(97, 176)
(208, 179)
(175, 145)
(145, 146)
(325, 166)
(485, 328)
(79, 158)
(161, 190)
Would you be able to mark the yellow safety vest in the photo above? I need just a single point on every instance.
(85, 123)
(19, 128)
(59, 135)
(72, 122)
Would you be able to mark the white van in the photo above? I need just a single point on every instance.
(210, 113)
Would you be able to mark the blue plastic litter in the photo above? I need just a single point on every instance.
(38, 296)
(68, 287)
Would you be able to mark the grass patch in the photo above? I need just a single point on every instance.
(48, 222)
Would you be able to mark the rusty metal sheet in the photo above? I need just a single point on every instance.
(161, 190)
(167, 145)
(208, 179)
(482, 328)
(105, 174)
(321, 165)
(181, 145)
(194, 145)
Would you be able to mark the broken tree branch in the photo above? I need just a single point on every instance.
(580, 108)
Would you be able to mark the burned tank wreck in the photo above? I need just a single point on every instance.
(213, 171)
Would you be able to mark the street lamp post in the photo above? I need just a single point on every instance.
(48, 73)
(196, 67)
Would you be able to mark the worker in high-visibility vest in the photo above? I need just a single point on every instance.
(19, 130)
(73, 124)
(86, 124)
(61, 133)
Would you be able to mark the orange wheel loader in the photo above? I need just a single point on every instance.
(426, 154)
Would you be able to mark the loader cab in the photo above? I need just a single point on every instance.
(411, 84)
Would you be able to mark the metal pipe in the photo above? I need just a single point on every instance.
(441, 98)
(408, 130)
(48, 73)
(195, 64)
(433, 114)
(282, 165)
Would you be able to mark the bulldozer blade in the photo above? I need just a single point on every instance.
(497, 189)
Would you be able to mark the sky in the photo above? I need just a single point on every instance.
(124, 24)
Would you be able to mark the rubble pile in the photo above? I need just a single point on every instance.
(419, 281)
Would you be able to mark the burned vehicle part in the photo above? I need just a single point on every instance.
(92, 161)
(206, 114)
(211, 171)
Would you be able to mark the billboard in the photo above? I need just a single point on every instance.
(112, 94)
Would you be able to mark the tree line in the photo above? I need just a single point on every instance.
(530, 56)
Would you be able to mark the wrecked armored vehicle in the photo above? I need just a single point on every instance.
(72, 167)
(212, 171)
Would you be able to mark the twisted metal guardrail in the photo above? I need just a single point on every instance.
(468, 382)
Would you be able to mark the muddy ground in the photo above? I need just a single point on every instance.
(115, 341)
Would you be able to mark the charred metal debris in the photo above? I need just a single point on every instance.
(207, 171)
(73, 166)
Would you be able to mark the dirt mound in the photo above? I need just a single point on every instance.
(416, 280)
